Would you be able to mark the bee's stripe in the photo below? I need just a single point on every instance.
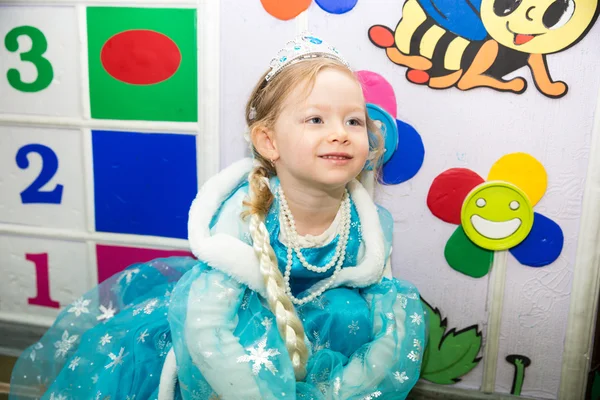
(417, 38)
(412, 17)
(430, 40)
(454, 54)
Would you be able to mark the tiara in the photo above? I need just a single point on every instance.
(303, 47)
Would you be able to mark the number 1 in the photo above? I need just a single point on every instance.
(42, 281)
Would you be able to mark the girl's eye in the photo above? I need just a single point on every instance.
(314, 120)
(355, 122)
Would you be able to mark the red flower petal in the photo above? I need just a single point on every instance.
(448, 191)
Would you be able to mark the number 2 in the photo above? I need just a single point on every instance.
(39, 45)
(33, 194)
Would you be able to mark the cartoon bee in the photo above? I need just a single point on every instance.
(475, 43)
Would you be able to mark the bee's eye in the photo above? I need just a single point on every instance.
(558, 14)
(502, 8)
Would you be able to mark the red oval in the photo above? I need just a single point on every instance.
(140, 57)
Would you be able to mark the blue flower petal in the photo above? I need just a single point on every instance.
(337, 6)
(542, 246)
(408, 158)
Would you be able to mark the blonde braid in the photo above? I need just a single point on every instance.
(289, 325)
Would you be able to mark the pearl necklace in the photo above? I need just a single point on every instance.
(292, 235)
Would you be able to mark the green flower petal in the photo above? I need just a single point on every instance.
(466, 257)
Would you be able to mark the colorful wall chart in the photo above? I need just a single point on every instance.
(64, 188)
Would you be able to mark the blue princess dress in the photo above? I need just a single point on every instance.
(185, 328)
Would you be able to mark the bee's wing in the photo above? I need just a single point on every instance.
(460, 17)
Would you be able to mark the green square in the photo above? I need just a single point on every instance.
(175, 97)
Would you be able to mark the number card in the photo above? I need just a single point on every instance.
(41, 179)
(143, 63)
(144, 183)
(39, 63)
(40, 276)
(114, 259)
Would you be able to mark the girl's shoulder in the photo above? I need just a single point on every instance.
(217, 234)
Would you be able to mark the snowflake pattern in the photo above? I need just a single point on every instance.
(74, 363)
(319, 345)
(417, 344)
(64, 344)
(204, 391)
(57, 397)
(80, 306)
(245, 301)
(391, 323)
(42, 384)
(416, 319)
(147, 308)
(128, 275)
(143, 336)
(95, 378)
(400, 377)
(413, 356)
(107, 312)
(267, 322)
(353, 327)
(36, 347)
(259, 357)
(321, 381)
(403, 300)
(373, 395)
(116, 360)
(319, 303)
(105, 339)
(163, 344)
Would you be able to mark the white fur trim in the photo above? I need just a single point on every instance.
(221, 251)
(237, 259)
(168, 377)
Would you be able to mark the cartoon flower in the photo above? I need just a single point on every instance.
(289, 9)
(495, 215)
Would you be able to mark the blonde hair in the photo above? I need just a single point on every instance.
(262, 109)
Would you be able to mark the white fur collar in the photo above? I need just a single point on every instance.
(237, 259)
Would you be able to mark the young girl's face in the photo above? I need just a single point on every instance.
(322, 139)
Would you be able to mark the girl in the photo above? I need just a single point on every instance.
(291, 295)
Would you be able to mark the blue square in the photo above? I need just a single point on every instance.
(144, 183)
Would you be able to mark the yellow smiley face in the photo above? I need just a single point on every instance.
(538, 26)
(497, 215)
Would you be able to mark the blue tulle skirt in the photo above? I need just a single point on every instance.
(112, 342)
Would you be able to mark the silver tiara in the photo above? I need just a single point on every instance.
(303, 47)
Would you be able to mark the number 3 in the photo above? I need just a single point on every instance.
(39, 45)
(33, 194)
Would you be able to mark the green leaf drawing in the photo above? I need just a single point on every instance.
(449, 355)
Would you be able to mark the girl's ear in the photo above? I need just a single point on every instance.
(263, 140)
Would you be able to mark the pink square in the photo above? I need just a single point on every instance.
(114, 259)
